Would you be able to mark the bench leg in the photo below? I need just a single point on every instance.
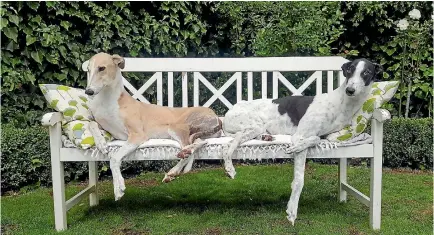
(93, 180)
(57, 170)
(342, 179)
(376, 175)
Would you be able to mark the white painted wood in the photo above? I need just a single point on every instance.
(93, 181)
(356, 193)
(252, 64)
(49, 119)
(58, 177)
(319, 84)
(217, 93)
(159, 88)
(264, 90)
(376, 174)
(145, 86)
(239, 87)
(196, 89)
(72, 154)
(381, 115)
(342, 179)
(286, 83)
(79, 196)
(330, 82)
(249, 85)
(170, 89)
(184, 77)
(275, 85)
(133, 91)
(314, 77)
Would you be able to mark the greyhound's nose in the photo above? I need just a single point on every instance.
(350, 91)
(89, 92)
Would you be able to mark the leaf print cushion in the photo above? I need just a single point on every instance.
(381, 93)
(79, 133)
(71, 102)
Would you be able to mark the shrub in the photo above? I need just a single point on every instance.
(408, 143)
(26, 155)
(26, 160)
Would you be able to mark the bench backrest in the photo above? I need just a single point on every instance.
(243, 69)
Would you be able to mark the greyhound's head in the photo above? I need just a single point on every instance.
(102, 71)
(360, 75)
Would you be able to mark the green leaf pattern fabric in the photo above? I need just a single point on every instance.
(79, 133)
(71, 102)
(381, 93)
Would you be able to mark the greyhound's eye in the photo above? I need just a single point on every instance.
(100, 69)
(366, 73)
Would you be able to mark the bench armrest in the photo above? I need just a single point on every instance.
(49, 119)
(381, 115)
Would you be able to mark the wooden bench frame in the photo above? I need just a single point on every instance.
(331, 65)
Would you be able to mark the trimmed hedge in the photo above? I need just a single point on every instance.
(26, 155)
(408, 143)
(26, 160)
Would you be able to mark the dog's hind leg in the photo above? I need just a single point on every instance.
(179, 133)
(239, 138)
(198, 143)
(296, 185)
(185, 163)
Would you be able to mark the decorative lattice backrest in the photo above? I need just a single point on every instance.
(243, 69)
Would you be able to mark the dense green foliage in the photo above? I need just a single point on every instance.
(46, 42)
(408, 143)
(26, 154)
(406, 55)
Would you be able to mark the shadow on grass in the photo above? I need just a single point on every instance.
(136, 202)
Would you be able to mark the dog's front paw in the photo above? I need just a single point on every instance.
(291, 211)
(230, 171)
(168, 178)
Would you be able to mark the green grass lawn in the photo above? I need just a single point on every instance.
(206, 202)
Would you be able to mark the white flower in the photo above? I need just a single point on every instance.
(414, 14)
(402, 24)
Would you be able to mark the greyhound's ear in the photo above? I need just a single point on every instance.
(119, 61)
(346, 65)
(345, 68)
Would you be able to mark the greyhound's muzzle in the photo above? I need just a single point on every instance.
(350, 91)
(89, 92)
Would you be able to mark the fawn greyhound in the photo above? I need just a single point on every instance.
(117, 112)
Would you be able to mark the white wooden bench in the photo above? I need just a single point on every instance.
(244, 71)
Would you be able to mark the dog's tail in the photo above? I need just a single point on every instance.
(234, 144)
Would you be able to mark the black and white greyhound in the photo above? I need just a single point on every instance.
(305, 118)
